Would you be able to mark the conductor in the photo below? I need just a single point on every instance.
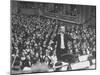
(61, 40)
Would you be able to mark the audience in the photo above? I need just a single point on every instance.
(32, 39)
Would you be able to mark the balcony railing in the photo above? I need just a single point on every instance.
(74, 19)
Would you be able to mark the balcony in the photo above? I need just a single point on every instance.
(67, 18)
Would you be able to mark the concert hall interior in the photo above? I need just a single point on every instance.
(34, 27)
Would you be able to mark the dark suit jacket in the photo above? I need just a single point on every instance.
(60, 52)
(58, 40)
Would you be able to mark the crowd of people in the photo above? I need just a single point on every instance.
(32, 40)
